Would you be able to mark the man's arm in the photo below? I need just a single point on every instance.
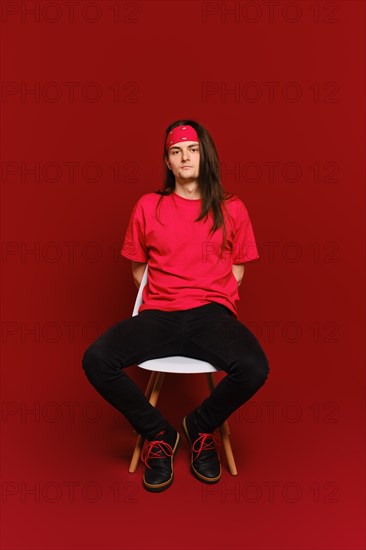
(138, 269)
(238, 270)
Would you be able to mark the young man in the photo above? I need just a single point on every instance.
(196, 239)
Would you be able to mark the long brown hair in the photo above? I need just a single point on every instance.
(209, 179)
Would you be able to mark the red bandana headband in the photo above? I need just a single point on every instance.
(181, 133)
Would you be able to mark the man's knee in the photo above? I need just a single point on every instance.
(254, 370)
(262, 369)
(92, 361)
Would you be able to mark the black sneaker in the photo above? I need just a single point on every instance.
(158, 455)
(205, 458)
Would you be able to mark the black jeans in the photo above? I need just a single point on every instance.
(209, 332)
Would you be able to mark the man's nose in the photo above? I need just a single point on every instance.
(185, 154)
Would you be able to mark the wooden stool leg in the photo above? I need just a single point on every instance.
(156, 387)
(224, 432)
(210, 380)
(151, 383)
(228, 450)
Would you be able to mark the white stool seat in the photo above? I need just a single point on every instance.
(178, 364)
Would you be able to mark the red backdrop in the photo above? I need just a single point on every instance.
(87, 92)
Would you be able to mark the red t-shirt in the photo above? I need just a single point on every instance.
(185, 270)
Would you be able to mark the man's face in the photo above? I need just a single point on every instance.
(184, 160)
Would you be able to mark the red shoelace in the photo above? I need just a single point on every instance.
(149, 452)
(207, 442)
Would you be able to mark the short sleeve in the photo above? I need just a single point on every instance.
(244, 245)
(134, 244)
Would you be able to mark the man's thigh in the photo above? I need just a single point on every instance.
(152, 333)
(219, 338)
